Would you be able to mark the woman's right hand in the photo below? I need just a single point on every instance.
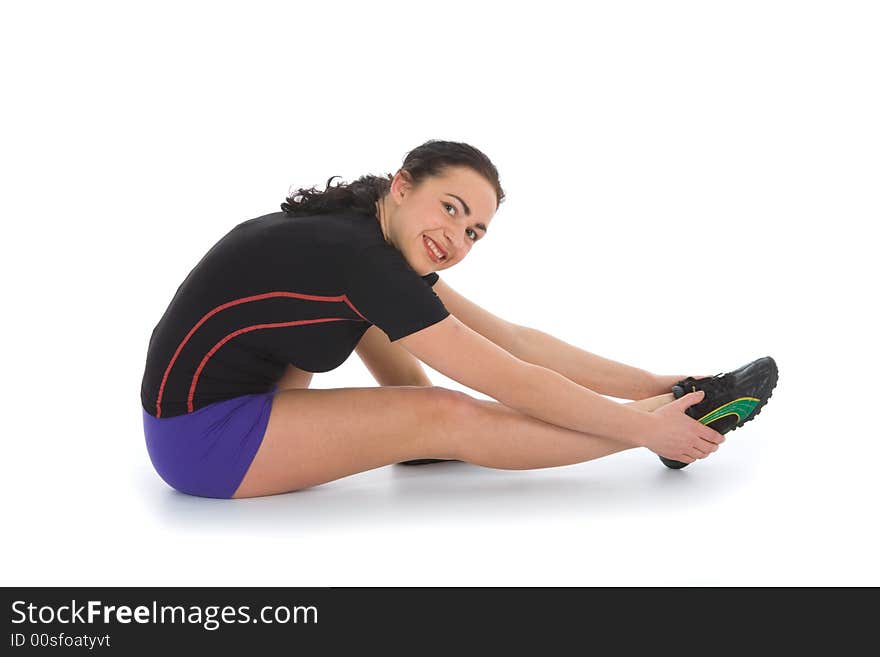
(675, 435)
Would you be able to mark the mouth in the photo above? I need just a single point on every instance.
(435, 253)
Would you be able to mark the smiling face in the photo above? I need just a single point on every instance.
(435, 224)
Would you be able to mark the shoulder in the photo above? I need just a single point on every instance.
(348, 231)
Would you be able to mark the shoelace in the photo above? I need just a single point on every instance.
(718, 387)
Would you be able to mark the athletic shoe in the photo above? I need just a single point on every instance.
(425, 461)
(730, 400)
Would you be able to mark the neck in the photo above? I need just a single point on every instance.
(382, 216)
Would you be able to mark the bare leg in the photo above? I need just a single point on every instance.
(316, 436)
(391, 365)
(527, 443)
(652, 403)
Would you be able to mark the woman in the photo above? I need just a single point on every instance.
(227, 408)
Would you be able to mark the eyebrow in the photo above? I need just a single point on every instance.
(467, 211)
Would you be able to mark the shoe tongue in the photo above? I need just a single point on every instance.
(710, 384)
(690, 383)
(720, 383)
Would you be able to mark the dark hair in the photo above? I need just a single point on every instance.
(430, 159)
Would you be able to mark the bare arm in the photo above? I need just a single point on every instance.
(452, 348)
(388, 362)
(601, 375)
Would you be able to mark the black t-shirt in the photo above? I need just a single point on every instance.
(277, 290)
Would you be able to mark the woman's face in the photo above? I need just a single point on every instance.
(437, 223)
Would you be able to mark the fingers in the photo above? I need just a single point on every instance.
(705, 432)
(702, 449)
(691, 398)
(695, 454)
(706, 448)
(711, 436)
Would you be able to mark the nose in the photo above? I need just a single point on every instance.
(455, 238)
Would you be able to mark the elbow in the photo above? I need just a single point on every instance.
(516, 387)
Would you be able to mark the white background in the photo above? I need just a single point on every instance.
(690, 186)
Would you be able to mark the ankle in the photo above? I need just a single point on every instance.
(663, 384)
(651, 404)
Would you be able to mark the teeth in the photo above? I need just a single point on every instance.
(434, 248)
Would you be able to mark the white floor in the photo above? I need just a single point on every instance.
(772, 507)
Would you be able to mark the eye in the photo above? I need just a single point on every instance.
(471, 230)
(449, 205)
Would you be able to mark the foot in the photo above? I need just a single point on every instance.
(731, 399)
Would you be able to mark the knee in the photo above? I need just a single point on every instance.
(449, 409)
(447, 419)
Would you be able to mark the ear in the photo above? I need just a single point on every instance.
(401, 185)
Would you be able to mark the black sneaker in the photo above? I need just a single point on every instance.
(730, 399)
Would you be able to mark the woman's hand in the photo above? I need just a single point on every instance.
(662, 384)
(678, 436)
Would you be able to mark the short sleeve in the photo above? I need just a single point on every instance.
(383, 288)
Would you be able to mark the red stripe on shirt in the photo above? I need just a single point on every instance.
(230, 304)
(248, 329)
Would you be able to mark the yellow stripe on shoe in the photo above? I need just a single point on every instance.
(741, 407)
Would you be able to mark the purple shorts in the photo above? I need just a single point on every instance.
(208, 452)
